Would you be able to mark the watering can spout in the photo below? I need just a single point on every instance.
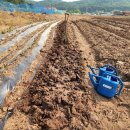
(92, 69)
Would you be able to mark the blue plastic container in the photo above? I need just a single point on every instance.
(107, 86)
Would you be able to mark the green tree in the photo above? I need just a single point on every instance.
(16, 1)
(77, 11)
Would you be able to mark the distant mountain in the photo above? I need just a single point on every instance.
(82, 5)
(89, 5)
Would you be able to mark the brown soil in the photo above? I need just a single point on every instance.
(108, 46)
(58, 79)
(60, 96)
(9, 21)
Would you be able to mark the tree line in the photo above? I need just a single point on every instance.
(16, 1)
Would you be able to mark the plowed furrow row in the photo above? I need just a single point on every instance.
(120, 21)
(122, 33)
(9, 56)
(120, 25)
(11, 43)
(27, 66)
(109, 48)
(60, 76)
(14, 33)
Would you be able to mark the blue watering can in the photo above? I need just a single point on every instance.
(107, 86)
(104, 69)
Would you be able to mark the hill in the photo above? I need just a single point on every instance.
(90, 5)
(82, 5)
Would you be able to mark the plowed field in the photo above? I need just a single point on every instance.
(44, 79)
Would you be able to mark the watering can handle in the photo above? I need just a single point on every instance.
(122, 85)
(108, 65)
(92, 69)
(95, 84)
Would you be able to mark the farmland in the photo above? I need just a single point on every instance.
(44, 79)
